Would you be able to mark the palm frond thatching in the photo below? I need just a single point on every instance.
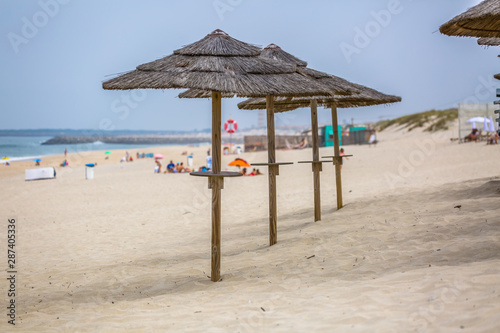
(491, 41)
(497, 76)
(482, 20)
(219, 62)
(365, 97)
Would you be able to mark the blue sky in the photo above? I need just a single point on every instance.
(56, 53)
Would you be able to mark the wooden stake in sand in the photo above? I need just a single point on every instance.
(273, 171)
(317, 165)
(216, 183)
(337, 159)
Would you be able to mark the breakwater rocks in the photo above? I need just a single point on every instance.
(137, 140)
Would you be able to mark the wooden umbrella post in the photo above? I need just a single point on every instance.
(216, 184)
(273, 170)
(337, 159)
(316, 167)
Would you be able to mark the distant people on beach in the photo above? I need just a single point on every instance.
(158, 166)
(473, 136)
(493, 140)
(209, 161)
(170, 166)
(65, 152)
(303, 144)
(64, 164)
(255, 172)
(342, 154)
(372, 140)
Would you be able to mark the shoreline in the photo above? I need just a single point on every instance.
(86, 151)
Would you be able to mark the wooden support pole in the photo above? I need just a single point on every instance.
(272, 171)
(316, 167)
(216, 184)
(337, 159)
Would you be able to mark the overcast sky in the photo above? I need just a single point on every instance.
(56, 54)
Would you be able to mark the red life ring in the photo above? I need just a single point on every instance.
(230, 126)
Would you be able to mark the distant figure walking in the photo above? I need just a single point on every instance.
(342, 154)
(372, 140)
(209, 162)
(65, 152)
(158, 166)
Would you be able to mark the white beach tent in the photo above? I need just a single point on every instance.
(41, 173)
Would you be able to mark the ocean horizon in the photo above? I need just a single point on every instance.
(27, 147)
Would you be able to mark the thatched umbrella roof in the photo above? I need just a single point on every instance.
(219, 62)
(492, 41)
(482, 20)
(365, 97)
(274, 52)
(497, 76)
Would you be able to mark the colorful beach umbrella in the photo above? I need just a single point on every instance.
(107, 153)
(159, 156)
(240, 162)
(5, 158)
(37, 160)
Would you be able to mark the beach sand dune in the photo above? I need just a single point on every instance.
(415, 249)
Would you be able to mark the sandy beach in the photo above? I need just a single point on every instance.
(415, 249)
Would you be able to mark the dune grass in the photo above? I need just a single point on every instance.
(433, 120)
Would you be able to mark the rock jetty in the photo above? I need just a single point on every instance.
(154, 140)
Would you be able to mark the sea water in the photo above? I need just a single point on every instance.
(27, 147)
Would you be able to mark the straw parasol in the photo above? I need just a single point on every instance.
(482, 20)
(364, 96)
(339, 87)
(492, 41)
(497, 76)
(222, 65)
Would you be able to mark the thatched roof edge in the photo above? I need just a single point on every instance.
(482, 20)
(491, 41)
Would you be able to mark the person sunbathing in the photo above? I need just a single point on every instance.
(473, 136)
